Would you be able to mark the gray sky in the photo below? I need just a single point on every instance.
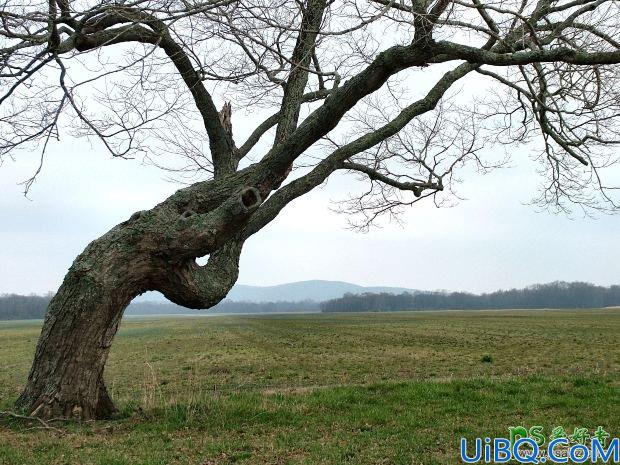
(491, 240)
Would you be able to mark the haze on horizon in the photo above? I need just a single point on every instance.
(489, 241)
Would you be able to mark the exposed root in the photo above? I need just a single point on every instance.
(43, 424)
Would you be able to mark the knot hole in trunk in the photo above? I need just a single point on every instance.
(250, 197)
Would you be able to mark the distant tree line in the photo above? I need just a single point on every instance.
(27, 307)
(23, 307)
(552, 295)
(226, 306)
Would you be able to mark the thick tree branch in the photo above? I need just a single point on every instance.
(221, 142)
(300, 60)
(341, 100)
(447, 51)
(270, 122)
(569, 97)
(199, 287)
(199, 233)
(274, 204)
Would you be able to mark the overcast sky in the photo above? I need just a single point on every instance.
(491, 240)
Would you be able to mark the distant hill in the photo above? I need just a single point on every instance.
(317, 290)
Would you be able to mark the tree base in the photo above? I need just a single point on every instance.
(70, 406)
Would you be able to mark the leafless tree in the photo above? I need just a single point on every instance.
(146, 78)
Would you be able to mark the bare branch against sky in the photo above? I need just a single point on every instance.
(147, 78)
(341, 84)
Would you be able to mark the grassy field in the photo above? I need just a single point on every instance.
(327, 389)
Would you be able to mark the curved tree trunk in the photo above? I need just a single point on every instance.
(66, 379)
(157, 250)
(153, 250)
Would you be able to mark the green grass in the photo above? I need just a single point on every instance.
(398, 388)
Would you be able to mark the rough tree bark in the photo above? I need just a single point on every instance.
(157, 249)
(154, 249)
